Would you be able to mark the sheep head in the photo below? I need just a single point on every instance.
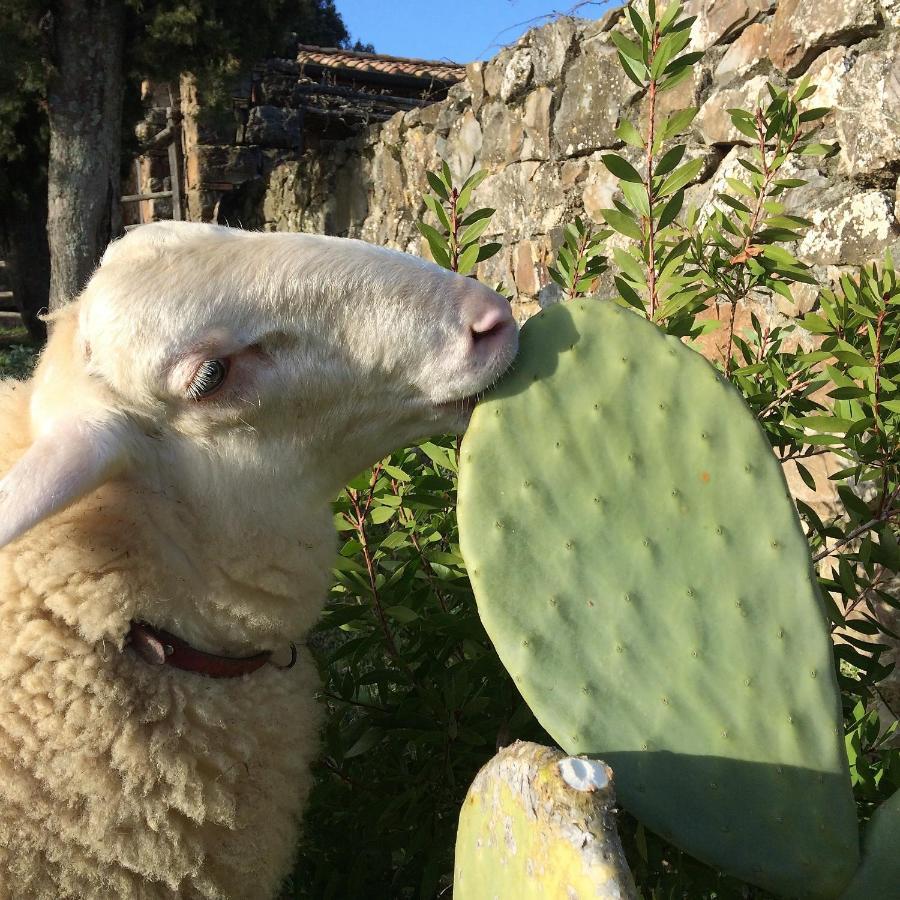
(212, 361)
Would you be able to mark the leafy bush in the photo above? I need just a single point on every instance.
(417, 700)
(17, 360)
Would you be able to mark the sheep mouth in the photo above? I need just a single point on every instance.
(461, 405)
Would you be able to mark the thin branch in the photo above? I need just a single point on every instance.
(651, 135)
(787, 392)
(360, 525)
(880, 519)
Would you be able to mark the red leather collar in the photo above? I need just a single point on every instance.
(159, 648)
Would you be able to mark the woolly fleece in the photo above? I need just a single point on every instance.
(119, 779)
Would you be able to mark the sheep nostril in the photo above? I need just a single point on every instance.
(489, 325)
(481, 336)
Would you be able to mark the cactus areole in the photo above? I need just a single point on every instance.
(639, 566)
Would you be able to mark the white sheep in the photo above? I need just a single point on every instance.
(172, 462)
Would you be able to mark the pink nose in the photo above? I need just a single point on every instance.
(490, 321)
(486, 316)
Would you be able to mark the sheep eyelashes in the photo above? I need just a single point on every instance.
(209, 378)
(179, 474)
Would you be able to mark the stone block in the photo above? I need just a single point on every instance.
(800, 32)
(550, 48)
(713, 122)
(517, 74)
(594, 95)
(744, 54)
(475, 79)
(600, 186)
(720, 21)
(503, 134)
(850, 227)
(217, 164)
(537, 124)
(866, 111)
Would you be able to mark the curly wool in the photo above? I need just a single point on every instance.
(128, 494)
(119, 779)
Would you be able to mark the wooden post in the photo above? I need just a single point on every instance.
(175, 170)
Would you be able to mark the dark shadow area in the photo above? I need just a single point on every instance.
(542, 340)
(789, 830)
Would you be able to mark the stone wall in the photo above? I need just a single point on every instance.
(538, 116)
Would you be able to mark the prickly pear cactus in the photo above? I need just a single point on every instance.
(537, 825)
(878, 877)
(640, 568)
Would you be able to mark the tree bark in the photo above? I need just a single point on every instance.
(84, 98)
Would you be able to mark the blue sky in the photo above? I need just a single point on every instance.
(461, 30)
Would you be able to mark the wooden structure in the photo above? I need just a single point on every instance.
(195, 161)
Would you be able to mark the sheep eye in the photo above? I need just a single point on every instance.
(208, 378)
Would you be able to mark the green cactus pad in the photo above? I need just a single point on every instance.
(536, 825)
(640, 568)
(878, 877)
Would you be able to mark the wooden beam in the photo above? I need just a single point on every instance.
(155, 195)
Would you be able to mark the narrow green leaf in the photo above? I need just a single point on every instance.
(681, 177)
(678, 121)
(811, 115)
(621, 168)
(470, 184)
(437, 243)
(435, 205)
(669, 160)
(622, 223)
(676, 77)
(474, 231)
(437, 185)
(631, 49)
(468, 259)
(628, 133)
(486, 251)
(806, 475)
(629, 294)
(636, 195)
(684, 62)
(634, 69)
(629, 265)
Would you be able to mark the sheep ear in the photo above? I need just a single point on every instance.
(64, 463)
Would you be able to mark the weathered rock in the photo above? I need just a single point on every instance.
(530, 261)
(210, 166)
(600, 187)
(465, 142)
(528, 197)
(503, 134)
(713, 121)
(537, 124)
(849, 227)
(866, 112)
(799, 33)
(891, 9)
(745, 53)
(517, 75)
(828, 72)
(494, 70)
(549, 49)
(594, 96)
(720, 21)
(475, 78)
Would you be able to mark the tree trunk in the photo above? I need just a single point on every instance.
(85, 112)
